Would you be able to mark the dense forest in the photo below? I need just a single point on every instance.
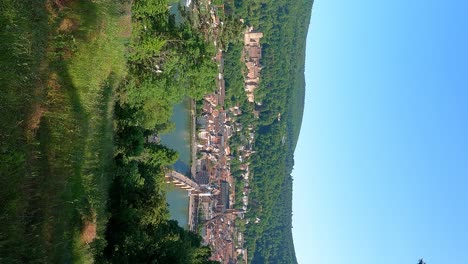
(168, 61)
(282, 89)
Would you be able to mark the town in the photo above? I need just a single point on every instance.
(212, 204)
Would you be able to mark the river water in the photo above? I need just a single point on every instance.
(179, 140)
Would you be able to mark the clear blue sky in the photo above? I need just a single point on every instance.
(381, 172)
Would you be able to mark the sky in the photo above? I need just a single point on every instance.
(381, 166)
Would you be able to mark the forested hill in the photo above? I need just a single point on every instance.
(284, 24)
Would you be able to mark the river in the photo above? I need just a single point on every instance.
(179, 140)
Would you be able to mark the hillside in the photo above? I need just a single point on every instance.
(83, 84)
(280, 98)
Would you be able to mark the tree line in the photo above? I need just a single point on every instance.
(167, 61)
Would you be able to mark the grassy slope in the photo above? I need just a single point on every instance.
(60, 61)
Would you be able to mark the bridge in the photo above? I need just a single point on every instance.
(184, 182)
(181, 181)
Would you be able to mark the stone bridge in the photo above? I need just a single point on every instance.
(181, 181)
